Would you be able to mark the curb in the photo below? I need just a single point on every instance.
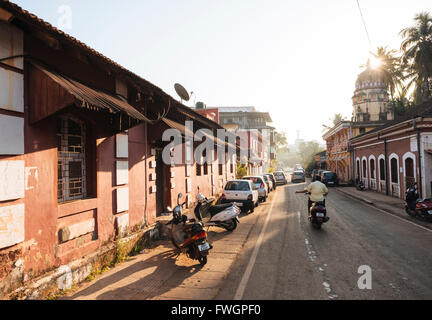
(357, 197)
(419, 223)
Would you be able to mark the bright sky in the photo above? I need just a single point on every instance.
(297, 60)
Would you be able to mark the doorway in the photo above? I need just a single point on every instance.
(161, 198)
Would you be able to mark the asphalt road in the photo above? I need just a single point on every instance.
(285, 258)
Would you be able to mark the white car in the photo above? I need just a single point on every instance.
(241, 192)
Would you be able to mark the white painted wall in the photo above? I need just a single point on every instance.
(11, 90)
(11, 135)
(12, 180)
(122, 199)
(11, 44)
(122, 146)
(122, 172)
(11, 225)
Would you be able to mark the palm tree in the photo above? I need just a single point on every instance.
(390, 67)
(417, 55)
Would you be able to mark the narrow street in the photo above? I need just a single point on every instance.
(288, 260)
(296, 261)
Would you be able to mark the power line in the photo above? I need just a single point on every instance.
(364, 24)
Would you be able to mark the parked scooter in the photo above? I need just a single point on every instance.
(360, 186)
(223, 215)
(188, 236)
(415, 207)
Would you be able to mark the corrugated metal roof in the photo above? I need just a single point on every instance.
(92, 98)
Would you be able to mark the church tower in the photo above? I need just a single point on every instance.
(371, 99)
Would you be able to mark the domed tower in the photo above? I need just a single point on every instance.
(371, 99)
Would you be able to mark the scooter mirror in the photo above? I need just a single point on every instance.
(169, 209)
(180, 196)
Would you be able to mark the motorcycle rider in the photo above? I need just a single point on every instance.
(317, 190)
(412, 196)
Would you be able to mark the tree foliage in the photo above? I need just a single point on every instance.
(416, 50)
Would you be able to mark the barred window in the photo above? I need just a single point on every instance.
(71, 159)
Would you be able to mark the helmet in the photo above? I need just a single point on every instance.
(200, 197)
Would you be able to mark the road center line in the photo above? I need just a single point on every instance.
(244, 281)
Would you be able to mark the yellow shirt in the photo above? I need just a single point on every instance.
(317, 190)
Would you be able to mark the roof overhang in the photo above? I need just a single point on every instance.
(61, 92)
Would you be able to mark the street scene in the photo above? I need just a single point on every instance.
(293, 260)
(215, 171)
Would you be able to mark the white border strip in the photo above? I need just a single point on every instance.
(244, 281)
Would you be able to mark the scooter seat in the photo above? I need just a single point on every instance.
(219, 208)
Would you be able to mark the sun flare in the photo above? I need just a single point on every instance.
(375, 62)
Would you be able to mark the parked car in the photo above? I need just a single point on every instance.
(314, 174)
(272, 178)
(261, 185)
(268, 182)
(243, 193)
(298, 176)
(280, 177)
(329, 178)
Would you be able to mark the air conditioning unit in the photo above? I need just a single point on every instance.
(200, 105)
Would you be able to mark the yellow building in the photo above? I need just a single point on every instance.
(370, 110)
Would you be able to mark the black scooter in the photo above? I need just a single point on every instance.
(317, 214)
(188, 236)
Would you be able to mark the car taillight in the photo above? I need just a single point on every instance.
(201, 235)
(223, 196)
(249, 197)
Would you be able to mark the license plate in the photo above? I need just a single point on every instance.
(204, 247)
(330, 182)
(320, 214)
(238, 204)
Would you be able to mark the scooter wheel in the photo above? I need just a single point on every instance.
(231, 225)
(410, 212)
(202, 260)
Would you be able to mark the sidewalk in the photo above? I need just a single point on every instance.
(386, 203)
(159, 273)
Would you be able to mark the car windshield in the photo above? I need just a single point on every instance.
(255, 180)
(237, 186)
(329, 174)
(298, 173)
(279, 175)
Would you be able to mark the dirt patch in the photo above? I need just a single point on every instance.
(7, 260)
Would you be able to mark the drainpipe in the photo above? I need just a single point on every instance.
(385, 164)
(420, 184)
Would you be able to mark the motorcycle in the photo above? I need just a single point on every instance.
(418, 208)
(188, 236)
(317, 214)
(223, 215)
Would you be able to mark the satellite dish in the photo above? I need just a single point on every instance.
(181, 91)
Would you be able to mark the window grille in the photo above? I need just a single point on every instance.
(71, 160)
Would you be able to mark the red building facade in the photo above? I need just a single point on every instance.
(81, 151)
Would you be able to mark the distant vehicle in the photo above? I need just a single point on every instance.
(280, 177)
(242, 193)
(268, 182)
(329, 178)
(272, 178)
(299, 167)
(298, 176)
(316, 172)
(261, 185)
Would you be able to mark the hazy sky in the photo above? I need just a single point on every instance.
(297, 60)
